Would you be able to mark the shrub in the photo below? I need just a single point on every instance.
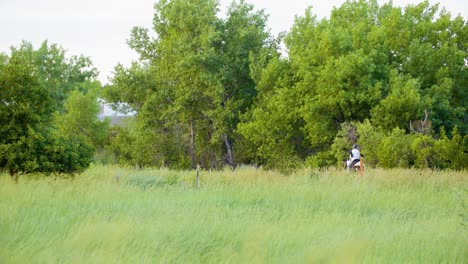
(395, 150)
(423, 150)
(370, 140)
(343, 142)
(450, 153)
(322, 159)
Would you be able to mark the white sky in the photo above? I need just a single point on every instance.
(99, 28)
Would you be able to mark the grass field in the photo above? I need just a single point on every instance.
(246, 216)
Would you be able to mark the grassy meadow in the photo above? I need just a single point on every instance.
(246, 216)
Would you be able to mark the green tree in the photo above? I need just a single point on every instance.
(186, 63)
(25, 111)
(366, 61)
(431, 46)
(80, 118)
(243, 39)
(154, 137)
(402, 104)
(193, 81)
(29, 142)
(130, 87)
(58, 73)
(212, 84)
(333, 75)
(272, 127)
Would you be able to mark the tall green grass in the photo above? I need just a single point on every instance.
(246, 216)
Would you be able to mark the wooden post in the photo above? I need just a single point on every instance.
(361, 165)
(117, 177)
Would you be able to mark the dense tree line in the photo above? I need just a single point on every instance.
(366, 63)
(219, 91)
(192, 84)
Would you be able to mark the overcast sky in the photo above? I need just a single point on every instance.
(99, 28)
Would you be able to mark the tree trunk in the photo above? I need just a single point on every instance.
(230, 157)
(192, 144)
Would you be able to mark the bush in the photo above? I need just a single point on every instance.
(364, 134)
(423, 150)
(395, 150)
(370, 140)
(450, 153)
(47, 154)
(322, 159)
(343, 142)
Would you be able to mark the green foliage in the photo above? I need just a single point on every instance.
(369, 141)
(215, 91)
(402, 104)
(25, 104)
(132, 86)
(121, 144)
(192, 83)
(137, 145)
(25, 113)
(81, 117)
(50, 153)
(61, 75)
(395, 150)
(272, 127)
(67, 154)
(342, 144)
(209, 87)
(29, 89)
(243, 36)
(451, 153)
(366, 62)
(365, 135)
(184, 66)
(244, 41)
(423, 149)
(432, 48)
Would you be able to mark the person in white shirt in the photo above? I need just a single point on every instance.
(354, 157)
